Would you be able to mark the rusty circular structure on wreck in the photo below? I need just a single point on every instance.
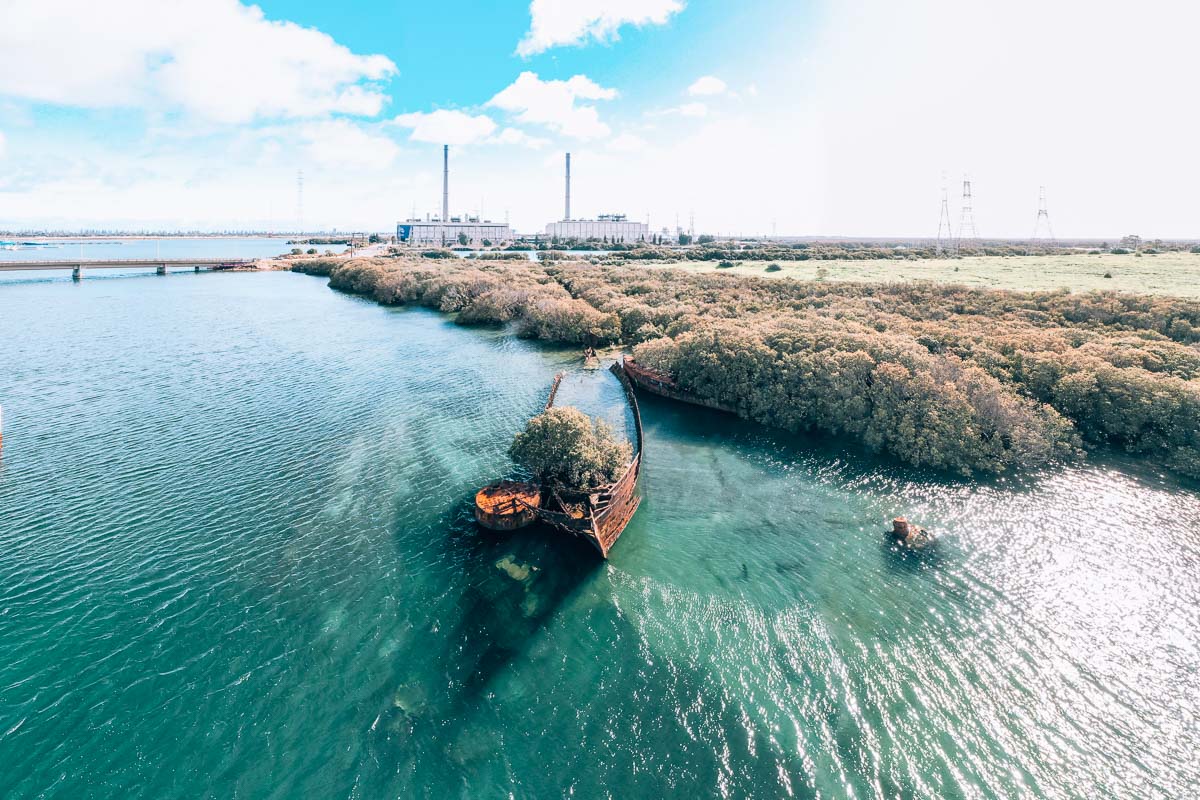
(507, 505)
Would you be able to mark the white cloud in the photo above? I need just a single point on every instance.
(518, 136)
(3, 145)
(447, 127)
(553, 104)
(667, 175)
(459, 127)
(685, 110)
(568, 22)
(627, 143)
(214, 59)
(707, 86)
(211, 184)
(341, 143)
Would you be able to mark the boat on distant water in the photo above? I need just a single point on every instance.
(598, 515)
(659, 383)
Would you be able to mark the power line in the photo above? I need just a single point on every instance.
(966, 218)
(945, 234)
(1043, 214)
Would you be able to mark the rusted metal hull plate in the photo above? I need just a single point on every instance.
(661, 385)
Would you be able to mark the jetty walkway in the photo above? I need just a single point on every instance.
(159, 265)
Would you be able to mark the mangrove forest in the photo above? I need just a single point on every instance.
(947, 377)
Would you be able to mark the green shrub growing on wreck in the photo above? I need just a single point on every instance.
(565, 447)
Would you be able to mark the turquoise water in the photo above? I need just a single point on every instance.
(237, 559)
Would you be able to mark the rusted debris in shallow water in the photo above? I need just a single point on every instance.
(554, 390)
(910, 534)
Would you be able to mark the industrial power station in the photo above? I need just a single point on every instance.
(609, 227)
(445, 230)
(448, 230)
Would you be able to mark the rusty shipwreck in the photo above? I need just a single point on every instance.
(664, 385)
(598, 516)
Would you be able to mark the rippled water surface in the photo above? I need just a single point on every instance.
(237, 559)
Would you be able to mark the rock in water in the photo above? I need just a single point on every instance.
(911, 535)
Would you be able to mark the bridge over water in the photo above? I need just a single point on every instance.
(159, 265)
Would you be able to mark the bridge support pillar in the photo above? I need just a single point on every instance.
(77, 272)
(162, 269)
(196, 268)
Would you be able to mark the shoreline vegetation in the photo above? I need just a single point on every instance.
(965, 380)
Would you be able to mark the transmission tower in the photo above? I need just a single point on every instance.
(1043, 214)
(300, 200)
(966, 218)
(945, 234)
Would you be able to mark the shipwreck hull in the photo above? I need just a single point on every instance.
(599, 516)
(602, 515)
(657, 383)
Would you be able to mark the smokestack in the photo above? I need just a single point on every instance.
(567, 216)
(445, 183)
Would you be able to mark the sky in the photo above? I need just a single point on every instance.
(795, 117)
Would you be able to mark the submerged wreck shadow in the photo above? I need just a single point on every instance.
(512, 585)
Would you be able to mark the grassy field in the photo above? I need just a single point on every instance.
(1174, 274)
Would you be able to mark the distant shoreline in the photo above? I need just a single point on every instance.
(111, 237)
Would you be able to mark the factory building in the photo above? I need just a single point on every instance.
(447, 230)
(437, 233)
(611, 227)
